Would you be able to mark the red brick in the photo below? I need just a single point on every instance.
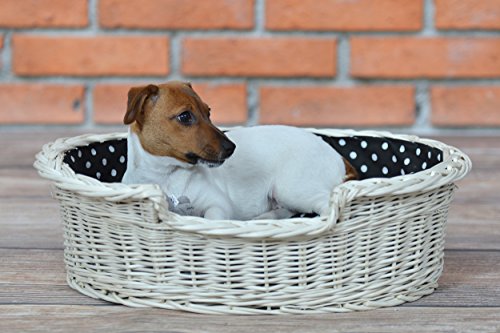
(90, 56)
(110, 102)
(342, 15)
(409, 57)
(41, 104)
(176, 14)
(43, 13)
(279, 57)
(227, 101)
(338, 106)
(466, 106)
(467, 14)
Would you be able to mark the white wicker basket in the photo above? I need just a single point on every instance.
(380, 245)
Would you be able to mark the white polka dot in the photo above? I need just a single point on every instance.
(122, 159)
(364, 168)
(424, 165)
(98, 175)
(385, 171)
(418, 151)
(429, 154)
(403, 172)
(353, 155)
(104, 161)
(439, 157)
(342, 142)
(385, 145)
(374, 157)
(394, 159)
(93, 152)
(79, 154)
(113, 173)
(406, 161)
(88, 165)
(402, 149)
(73, 159)
(111, 149)
(364, 144)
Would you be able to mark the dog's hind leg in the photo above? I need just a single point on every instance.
(216, 213)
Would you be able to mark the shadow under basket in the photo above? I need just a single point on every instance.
(380, 245)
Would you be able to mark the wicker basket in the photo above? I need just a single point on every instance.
(380, 245)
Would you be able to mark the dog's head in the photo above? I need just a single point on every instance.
(171, 120)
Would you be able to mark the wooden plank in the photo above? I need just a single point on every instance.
(468, 142)
(21, 146)
(45, 294)
(21, 318)
(30, 223)
(470, 279)
(473, 226)
(23, 182)
(37, 277)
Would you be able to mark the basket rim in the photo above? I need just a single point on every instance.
(454, 166)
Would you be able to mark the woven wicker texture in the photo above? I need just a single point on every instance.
(380, 245)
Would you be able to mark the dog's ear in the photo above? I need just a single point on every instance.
(137, 96)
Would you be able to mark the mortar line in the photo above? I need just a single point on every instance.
(175, 72)
(423, 106)
(253, 103)
(6, 58)
(259, 17)
(121, 32)
(285, 81)
(428, 19)
(343, 77)
(93, 16)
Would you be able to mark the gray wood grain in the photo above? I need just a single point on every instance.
(75, 319)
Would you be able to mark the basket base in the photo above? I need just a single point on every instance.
(88, 289)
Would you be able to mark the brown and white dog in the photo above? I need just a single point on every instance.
(246, 173)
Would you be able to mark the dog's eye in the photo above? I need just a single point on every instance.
(186, 118)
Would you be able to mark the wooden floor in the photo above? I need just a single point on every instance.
(34, 296)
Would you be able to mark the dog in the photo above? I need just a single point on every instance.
(261, 172)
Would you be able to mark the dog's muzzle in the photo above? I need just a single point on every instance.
(227, 149)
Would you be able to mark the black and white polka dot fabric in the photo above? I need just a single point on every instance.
(381, 157)
(370, 156)
(105, 161)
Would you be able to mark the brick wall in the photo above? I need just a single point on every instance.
(412, 65)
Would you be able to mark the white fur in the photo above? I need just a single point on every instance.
(274, 171)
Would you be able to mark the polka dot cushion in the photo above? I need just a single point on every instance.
(105, 161)
(370, 156)
(381, 157)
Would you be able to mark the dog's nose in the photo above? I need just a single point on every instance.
(228, 148)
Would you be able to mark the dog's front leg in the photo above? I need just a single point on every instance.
(216, 213)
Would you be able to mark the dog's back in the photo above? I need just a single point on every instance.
(286, 166)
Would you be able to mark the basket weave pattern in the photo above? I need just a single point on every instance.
(380, 245)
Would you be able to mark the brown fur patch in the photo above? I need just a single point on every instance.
(350, 172)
